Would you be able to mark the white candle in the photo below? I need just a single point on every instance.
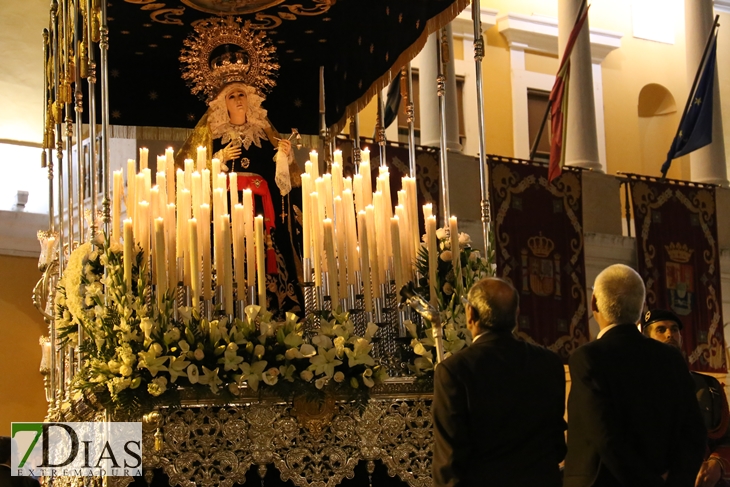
(321, 190)
(365, 154)
(154, 202)
(170, 172)
(182, 218)
(412, 208)
(202, 160)
(161, 180)
(367, 182)
(194, 262)
(222, 185)
(205, 248)
(347, 183)
(338, 184)
(117, 205)
(197, 199)
(337, 157)
(248, 231)
(397, 264)
(143, 213)
(128, 253)
(218, 243)
(233, 183)
(170, 230)
(228, 264)
(381, 229)
(353, 263)
(455, 249)
(260, 269)
(307, 217)
(373, 250)
(189, 164)
(205, 184)
(316, 238)
(405, 243)
(341, 243)
(160, 262)
(432, 246)
(308, 168)
(143, 158)
(427, 210)
(357, 192)
(365, 260)
(216, 169)
(239, 249)
(329, 204)
(131, 201)
(315, 163)
(329, 249)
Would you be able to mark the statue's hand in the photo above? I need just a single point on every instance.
(230, 152)
(285, 146)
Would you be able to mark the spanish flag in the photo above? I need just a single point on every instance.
(559, 101)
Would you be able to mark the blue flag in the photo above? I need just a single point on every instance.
(695, 128)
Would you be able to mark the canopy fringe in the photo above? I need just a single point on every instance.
(433, 24)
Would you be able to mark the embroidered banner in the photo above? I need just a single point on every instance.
(538, 230)
(679, 260)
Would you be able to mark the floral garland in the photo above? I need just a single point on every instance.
(453, 318)
(136, 355)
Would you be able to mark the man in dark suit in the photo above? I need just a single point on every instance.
(6, 480)
(498, 405)
(665, 326)
(633, 419)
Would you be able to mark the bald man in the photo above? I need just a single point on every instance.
(498, 404)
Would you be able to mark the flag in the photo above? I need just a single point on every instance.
(695, 128)
(559, 103)
(392, 101)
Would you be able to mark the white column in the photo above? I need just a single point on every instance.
(707, 165)
(581, 140)
(428, 72)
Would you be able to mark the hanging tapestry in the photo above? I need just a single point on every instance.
(538, 229)
(396, 158)
(678, 257)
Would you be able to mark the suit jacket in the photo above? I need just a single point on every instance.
(632, 414)
(498, 410)
(6, 480)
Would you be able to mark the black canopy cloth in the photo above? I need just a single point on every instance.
(361, 44)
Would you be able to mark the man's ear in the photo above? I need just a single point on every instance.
(594, 303)
(472, 314)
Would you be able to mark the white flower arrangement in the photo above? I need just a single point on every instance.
(473, 267)
(137, 354)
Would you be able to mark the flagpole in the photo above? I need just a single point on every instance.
(533, 149)
(696, 80)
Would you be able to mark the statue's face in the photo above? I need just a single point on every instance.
(237, 104)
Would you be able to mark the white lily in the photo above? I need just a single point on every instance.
(177, 367)
(360, 354)
(252, 374)
(325, 362)
(210, 378)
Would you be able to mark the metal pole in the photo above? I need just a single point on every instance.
(105, 163)
(484, 176)
(627, 207)
(66, 92)
(356, 157)
(380, 129)
(441, 91)
(92, 113)
(47, 159)
(79, 109)
(59, 134)
(411, 114)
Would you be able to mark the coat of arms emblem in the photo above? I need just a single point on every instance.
(540, 271)
(679, 278)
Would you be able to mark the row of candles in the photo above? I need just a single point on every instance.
(354, 238)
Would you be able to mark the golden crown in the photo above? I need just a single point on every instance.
(679, 252)
(540, 246)
(221, 51)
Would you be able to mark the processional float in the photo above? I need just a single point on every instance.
(360, 251)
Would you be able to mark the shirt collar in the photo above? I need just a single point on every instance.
(603, 331)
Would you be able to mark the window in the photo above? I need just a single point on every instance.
(537, 102)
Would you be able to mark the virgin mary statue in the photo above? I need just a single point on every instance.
(233, 68)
